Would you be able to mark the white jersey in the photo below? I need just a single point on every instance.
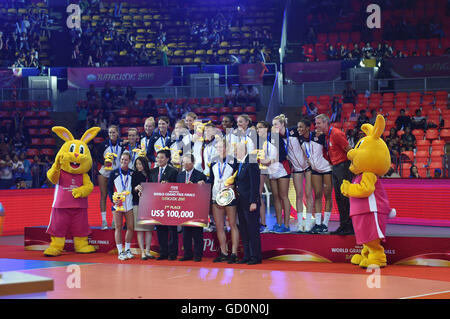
(313, 148)
(209, 153)
(296, 155)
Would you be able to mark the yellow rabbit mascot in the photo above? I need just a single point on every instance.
(73, 186)
(369, 205)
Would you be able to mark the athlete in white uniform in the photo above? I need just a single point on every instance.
(312, 146)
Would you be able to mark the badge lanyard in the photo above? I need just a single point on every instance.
(221, 171)
(327, 144)
(308, 155)
(112, 149)
(286, 145)
(124, 185)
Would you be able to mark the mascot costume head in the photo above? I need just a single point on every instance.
(369, 205)
(73, 186)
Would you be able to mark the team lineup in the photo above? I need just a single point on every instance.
(236, 162)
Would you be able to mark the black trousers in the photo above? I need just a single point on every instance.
(168, 240)
(339, 173)
(249, 229)
(196, 234)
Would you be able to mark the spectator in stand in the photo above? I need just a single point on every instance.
(36, 172)
(408, 140)
(17, 167)
(373, 116)
(367, 51)
(26, 175)
(311, 37)
(6, 172)
(118, 96)
(437, 173)
(361, 119)
(107, 94)
(230, 95)
(403, 120)
(82, 118)
(253, 96)
(242, 96)
(130, 94)
(356, 52)
(419, 121)
(349, 94)
(336, 110)
(331, 53)
(414, 172)
(311, 111)
(93, 98)
(149, 107)
(343, 52)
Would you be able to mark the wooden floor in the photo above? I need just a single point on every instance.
(110, 279)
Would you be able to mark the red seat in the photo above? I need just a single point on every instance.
(193, 101)
(135, 121)
(28, 114)
(45, 104)
(218, 101)
(47, 151)
(250, 109)
(122, 112)
(168, 100)
(21, 105)
(123, 120)
(420, 155)
(33, 131)
(47, 122)
(33, 122)
(124, 131)
(50, 141)
(32, 152)
(418, 134)
(408, 156)
(236, 109)
(213, 110)
(445, 134)
(36, 142)
(404, 171)
(45, 131)
(432, 134)
(225, 110)
(180, 101)
(162, 111)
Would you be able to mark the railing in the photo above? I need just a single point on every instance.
(295, 94)
(25, 94)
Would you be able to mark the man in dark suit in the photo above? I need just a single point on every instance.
(191, 176)
(248, 202)
(168, 247)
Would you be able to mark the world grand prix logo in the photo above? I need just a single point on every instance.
(374, 19)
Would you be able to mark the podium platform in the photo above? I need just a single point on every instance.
(406, 249)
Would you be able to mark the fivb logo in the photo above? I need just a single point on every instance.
(74, 19)
(374, 19)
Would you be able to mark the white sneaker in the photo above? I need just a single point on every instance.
(104, 225)
(129, 254)
(123, 256)
(265, 230)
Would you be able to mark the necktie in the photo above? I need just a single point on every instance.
(161, 170)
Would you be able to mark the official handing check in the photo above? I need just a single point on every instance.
(174, 204)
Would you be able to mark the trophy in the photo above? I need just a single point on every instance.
(109, 159)
(226, 195)
(118, 199)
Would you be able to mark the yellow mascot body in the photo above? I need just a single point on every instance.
(73, 186)
(369, 205)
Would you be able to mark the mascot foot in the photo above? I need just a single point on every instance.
(376, 255)
(82, 245)
(56, 247)
(357, 258)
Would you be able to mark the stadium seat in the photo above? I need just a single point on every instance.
(405, 170)
(445, 134)
(423, 145)
(49, 141)
(432, 134)
(47, 151)
(418, 134)
(421, 155)
(45, 131)
(32, 152)
(36, 142)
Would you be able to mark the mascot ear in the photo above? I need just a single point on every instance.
(90, 134)
(367, 129)
(63, 133)
(378, 129)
